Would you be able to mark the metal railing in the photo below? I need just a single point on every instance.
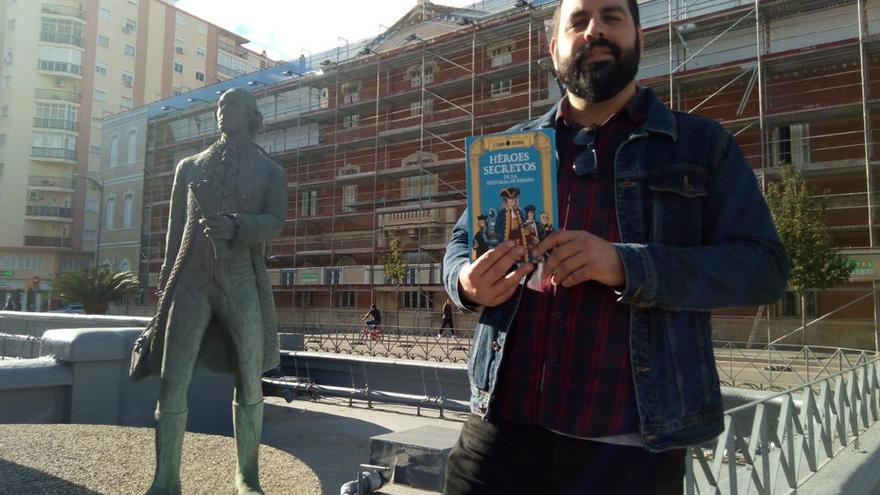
(67, 125)
(57, 94)
(77, 12)
(41, 181)
(61, 38)
(778, 455)
(43, 152)
(49, 211)
(19, 346)
(44, 241)
(418, 343)
(56, 66)
(780, 366)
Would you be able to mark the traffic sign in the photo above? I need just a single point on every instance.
(7, 273)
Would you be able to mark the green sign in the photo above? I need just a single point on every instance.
(308, 277)
(7, 274)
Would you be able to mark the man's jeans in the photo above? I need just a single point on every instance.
(498, 457)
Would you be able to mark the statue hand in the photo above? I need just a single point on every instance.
(218, 226)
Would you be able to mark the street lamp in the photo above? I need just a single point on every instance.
(100, 187)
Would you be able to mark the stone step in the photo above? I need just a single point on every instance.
(417, 457)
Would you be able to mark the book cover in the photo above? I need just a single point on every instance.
(511, 184)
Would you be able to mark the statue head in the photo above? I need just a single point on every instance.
(237, 113)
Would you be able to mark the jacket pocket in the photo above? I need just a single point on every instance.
(677, 199)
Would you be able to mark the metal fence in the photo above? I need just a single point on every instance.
(779, 453)
(419, 343)
(19, 346)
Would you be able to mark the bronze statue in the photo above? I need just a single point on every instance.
(216, 308)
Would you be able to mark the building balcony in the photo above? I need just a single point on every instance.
(43, 241)
(56, 184)
(58, 95)
(67, 125)
(62, 39)
(60, 68)
(49, 213)
(53, 153)
(64, 10)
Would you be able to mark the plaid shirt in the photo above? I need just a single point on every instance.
(566, 363)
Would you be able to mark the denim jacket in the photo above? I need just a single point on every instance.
(696, 234)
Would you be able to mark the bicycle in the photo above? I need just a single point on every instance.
(372, 332)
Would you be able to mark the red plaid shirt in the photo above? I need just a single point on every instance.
(566, 363)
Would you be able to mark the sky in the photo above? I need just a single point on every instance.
(288, 28)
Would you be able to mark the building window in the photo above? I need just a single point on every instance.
(130, 26)
(415, 75)
(415, 108)
(349, 192)
(178, 68)
(351, 121)
(131, 146)
(127, 79)
(350, 92)
(181, 19)
(100, 69)
(501, 55)
(4, 111)
(332, 276)
(202, 52)
(95, 150)
(201, 28)
(109, 213)
(103, 41)
(501, 87)
(175, 91)
(200, 76)
(309, 203)
(416, 300)
(103, 14)
(305, 299)
(114, 151)
(56, 116)
(128, 50)
(790, 305)
(99, 95)
(179, 46)
(127, 210)
(124, 266)
(791, 144)
(420, 186)
(125, 103)
(288, 277)
(345, 299)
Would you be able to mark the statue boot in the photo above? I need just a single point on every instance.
(170, 428)
(248, 424)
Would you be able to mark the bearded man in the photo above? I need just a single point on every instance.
(594, 379)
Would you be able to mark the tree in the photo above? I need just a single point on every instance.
(395, 269)
(95, 289)
(800, 221)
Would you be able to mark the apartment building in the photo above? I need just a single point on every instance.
(373, 141)
(66, 65)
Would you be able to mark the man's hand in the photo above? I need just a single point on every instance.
(485, 282)
(580, 256)
(218, 227)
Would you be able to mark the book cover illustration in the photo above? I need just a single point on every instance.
(511, 184)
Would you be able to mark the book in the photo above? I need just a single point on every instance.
(511, 185)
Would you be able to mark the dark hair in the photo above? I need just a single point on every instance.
(530, 208)
(373, 306)
(633, 10)
(481, 217)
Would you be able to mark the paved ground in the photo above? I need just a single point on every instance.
(333, 439)
(309, 448)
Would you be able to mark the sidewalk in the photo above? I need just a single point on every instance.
(334, 439)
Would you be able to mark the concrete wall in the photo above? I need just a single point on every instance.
(34, 324)
(83, 378)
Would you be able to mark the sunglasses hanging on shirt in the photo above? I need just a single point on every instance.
(586, 163)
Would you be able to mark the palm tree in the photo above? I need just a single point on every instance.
(95, 289)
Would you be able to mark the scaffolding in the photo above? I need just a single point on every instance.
(372, 135)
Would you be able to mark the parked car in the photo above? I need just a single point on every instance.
(71, 308)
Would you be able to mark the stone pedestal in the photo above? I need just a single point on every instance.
(417, 456)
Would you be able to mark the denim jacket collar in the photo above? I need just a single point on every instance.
(660, 119)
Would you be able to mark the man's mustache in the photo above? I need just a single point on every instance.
(598, 42)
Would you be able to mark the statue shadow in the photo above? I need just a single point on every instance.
(333, 446)
(23, 480)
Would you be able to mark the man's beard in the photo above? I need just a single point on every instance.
(599, 81)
